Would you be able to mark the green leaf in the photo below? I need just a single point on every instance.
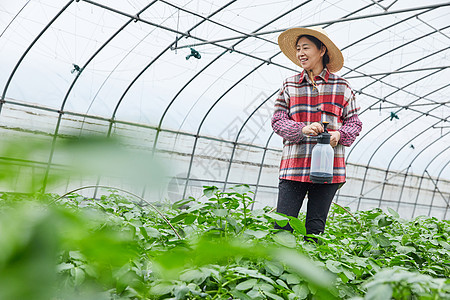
(277, 217)
(282, 283)
(297, 225)
(210, 191)
(334, 266)
(190, 219)
(76, 255)
(274, 268)
(405, 249)
(349, 274)
(144, 232)
(253, 273)
(292, 279)
(246, 285)
(301, 291)
(305, 268)
(64, 266)
(379, 292)
(255, 294)
(383, 241)
(152, 232)
(285, 238)
(273, 296)
(180, 292)
(266, 287)
(445, 245)
(78, 276)
(194, 275)
(162, 288)
(220, 212)
(231, 221)
(393, 213)
(180, 203)
(384, 221)
(178, 218)
(240, 295)
(256, 233)
(242, 189)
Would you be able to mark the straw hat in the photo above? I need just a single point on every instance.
(288, 38)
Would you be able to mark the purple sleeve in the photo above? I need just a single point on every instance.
(350, 130)
(287, 128)
(351, 124)
(282, 123)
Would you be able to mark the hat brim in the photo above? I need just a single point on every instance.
(288, 38)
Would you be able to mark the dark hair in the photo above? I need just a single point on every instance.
(319, 44)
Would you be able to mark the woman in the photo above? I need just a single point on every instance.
(305, 100)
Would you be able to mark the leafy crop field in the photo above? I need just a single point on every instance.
(215, 247)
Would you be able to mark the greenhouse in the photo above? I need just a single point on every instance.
(150, 107)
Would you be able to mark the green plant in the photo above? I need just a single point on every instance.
(214, 247)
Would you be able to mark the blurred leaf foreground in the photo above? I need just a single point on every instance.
(121, 246)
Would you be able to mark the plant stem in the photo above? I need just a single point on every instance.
(125, 191)
(348, 213)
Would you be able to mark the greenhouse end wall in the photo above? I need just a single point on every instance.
(188, 169)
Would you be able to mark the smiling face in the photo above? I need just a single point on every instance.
(309, 55)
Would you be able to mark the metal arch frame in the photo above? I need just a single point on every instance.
(437, 181)
(61, 111)
(398, 47)
(204, 117)
(79, 74)
(334, 21)
(214, 22)
(395, 155)
(196, 75)
(98, 51)
(376, 150)
(412, 109)
(398, 72)
(383, 99)
(391, 25)
(434, 192)
(387, 74)
(266, 147)
(252, 35)
(29, 48)
(399, 69)
(410, 164)
(387, 27)
(204, 68)
(194, 147)
(111, 121)
(397, 131)
(239, 133)
(362, 39)
(63, 104)
(72, 1)
(136, 18)
(382, 29)
(154, 60)
(407, 169)
(421, 180)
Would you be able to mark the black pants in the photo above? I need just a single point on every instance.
(290, 200)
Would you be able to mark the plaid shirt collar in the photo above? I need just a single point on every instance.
(324, 75)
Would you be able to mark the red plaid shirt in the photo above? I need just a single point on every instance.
(298, 104)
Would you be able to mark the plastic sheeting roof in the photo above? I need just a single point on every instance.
(129, 61)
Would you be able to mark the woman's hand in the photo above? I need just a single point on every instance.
(335, 137)
(312, 129)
